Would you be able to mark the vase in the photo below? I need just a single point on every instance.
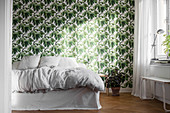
(115, 91)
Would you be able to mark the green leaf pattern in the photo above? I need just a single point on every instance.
(98, 33)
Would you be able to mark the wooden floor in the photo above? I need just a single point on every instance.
(125, 103)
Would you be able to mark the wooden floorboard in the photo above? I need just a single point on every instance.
(125, 103)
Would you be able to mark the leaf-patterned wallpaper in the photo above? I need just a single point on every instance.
(98, 33)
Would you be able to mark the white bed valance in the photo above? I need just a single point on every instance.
(78, 98)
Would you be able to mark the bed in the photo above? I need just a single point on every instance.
(54, 83)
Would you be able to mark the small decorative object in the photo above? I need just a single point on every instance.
(114, 81)
(166, 43)
(160, 31)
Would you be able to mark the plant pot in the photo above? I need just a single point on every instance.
(115, 91)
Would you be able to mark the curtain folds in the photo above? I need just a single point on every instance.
(145, 19)
(5, 56)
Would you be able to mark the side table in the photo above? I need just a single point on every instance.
(105, 77)
(163, 81)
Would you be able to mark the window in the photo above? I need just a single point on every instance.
(162, 23)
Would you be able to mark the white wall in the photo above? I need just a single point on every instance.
(2, 32)
(5, 55)
(161, 71)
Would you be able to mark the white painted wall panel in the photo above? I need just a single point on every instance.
(161, 71)
(2, 35)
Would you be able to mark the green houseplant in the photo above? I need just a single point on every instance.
(114, 81)
(166, 43)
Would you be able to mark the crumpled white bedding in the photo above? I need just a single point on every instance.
(31, 80)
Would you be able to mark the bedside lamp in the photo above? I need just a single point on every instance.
(160, 31)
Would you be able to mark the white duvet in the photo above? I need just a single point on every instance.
(31, 80)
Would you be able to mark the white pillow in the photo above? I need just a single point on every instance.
(67, 62)
(29, 62)
(15, 65)
(82, 65)
(49, 61)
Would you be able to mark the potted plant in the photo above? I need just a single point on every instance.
(114, 81)
(166, 43)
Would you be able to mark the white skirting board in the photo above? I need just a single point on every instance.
(161, 99)
(122, 90)
(125, 90)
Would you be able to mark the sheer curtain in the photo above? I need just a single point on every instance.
(5, 56)
(145, 19)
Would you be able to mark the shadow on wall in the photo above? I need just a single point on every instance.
(97, 33)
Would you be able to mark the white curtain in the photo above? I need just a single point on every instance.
(5, 55)
(145, 19)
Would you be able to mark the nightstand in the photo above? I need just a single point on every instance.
(104, 77)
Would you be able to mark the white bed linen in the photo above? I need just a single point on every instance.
(49, 61)
(78, 98)
(68, 62)
(31, 80)
(29, 62)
